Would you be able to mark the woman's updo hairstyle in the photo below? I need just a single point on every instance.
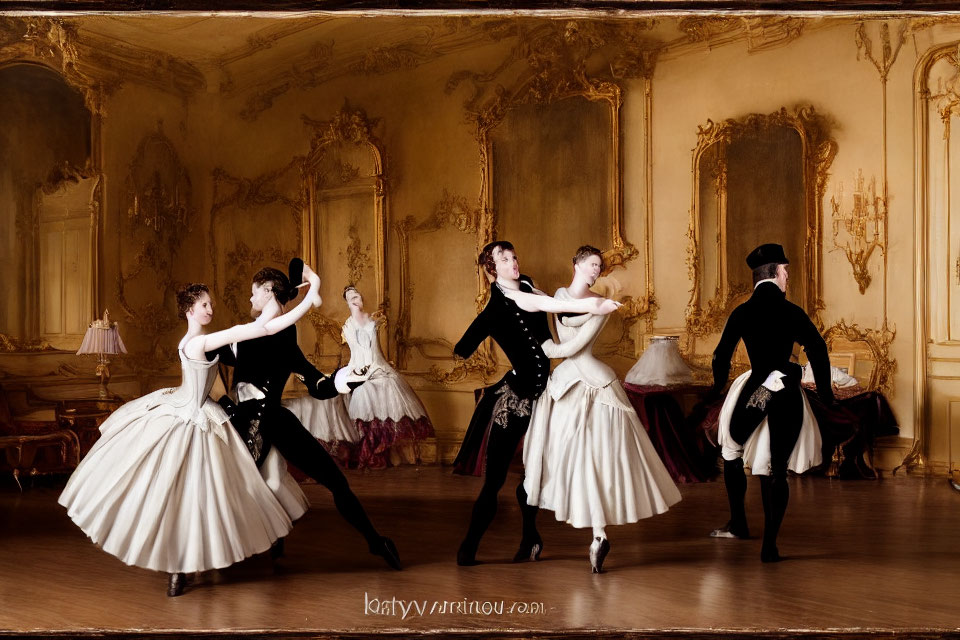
(188, 295)
(585, 252)
(347, 289)
(279, 284)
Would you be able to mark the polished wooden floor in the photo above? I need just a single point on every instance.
(865, 558)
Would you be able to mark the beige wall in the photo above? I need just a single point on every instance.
(430, 150)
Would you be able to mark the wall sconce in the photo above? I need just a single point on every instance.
(103, 339)
(865, 227)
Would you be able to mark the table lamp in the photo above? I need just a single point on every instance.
(102, 339)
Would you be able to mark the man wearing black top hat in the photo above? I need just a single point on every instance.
(515, 318)
(769, 326)
(261, 368)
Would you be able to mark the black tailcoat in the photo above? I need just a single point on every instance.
(769, 325)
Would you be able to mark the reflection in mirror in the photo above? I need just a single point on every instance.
(765, 204)
(553, 183)
(343, 224)
(756, 180)
(45, 142)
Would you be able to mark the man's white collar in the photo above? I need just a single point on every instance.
(773, 280)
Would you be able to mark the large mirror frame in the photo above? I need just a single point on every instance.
(349, 126)
(705, 317)
(620, 250)
(483, 221)
(23, 52)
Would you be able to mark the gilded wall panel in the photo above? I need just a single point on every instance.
(156, 211)
(254, 223)
(343, 221)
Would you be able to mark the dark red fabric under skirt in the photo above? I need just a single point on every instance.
(377, 436)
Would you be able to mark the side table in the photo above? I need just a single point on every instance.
(84, 417)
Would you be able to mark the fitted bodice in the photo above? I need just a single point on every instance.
(364, 345)
(576, 345)
(198, 377)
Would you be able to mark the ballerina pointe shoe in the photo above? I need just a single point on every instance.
(388, 551)
(599, 549)
(529, 550)
(176, 585)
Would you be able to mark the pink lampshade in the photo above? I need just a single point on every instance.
(102, 337)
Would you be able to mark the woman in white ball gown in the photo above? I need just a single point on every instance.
(170, 485)
(587, 456)
(385, 409)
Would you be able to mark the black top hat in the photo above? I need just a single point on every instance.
(295, 271)
(766, 254)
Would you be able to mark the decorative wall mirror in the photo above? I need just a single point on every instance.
(756, 180)
(50, 195)
(344, 213)
(570, 142)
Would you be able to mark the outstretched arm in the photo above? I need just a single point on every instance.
(575, 321)
(576, 343)
(535, 302)
(201, 344)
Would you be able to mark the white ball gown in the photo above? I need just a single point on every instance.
(170, 485)
(384, 408)
(328, 422)
(586, 454)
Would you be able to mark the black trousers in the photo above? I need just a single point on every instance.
(501, 446)
(285, 432)
(784, 413)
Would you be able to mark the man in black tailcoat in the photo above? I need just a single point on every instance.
(261, 369)
(769, 326)
(502, 415)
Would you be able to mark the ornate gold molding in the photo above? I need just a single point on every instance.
(95, 65)
(819, 150)
(556, 63)
(888, 49)
(156, 206)
(349, 126)
(703, 28)
(243, 260)
(768, 32)
(10, 344)
(878, 341)
(451, 211)
(868, 208)
(481, 364)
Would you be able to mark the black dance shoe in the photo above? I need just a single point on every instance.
(276, 549)
(599, 549)
(530, 549)
(467, 555)
(177, 582)
(731, 530)
(388, 551)
(771, 555)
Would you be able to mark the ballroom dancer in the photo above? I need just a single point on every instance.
(587, 456)
(170, 485)
(515, 318)
(766, 422)
(261, 369)
(384, 409)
